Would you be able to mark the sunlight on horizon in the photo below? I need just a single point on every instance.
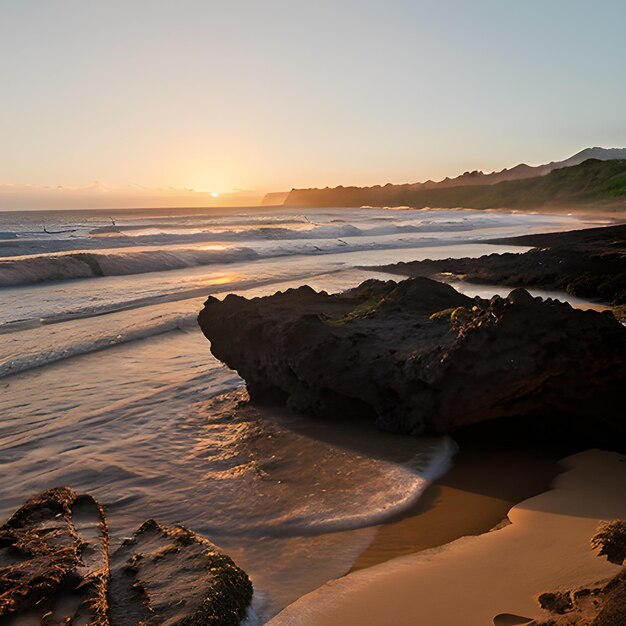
(256, 107)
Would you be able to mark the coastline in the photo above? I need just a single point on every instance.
(473, 580)
(489, 478)
(587, 264)
(617, 213)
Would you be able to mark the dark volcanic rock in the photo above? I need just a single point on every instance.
(610, 540)
(588, 263)
(420, 356)
(599, 604)
(54, 569)
(171, 575)
(53, 561)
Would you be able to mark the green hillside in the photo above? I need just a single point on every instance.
(592, 184)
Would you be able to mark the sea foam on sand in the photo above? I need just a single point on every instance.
(472, 580)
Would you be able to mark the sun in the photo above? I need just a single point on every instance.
(215, 195)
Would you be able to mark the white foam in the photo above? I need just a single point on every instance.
(391, 489)
(92, 246)
(43, 268)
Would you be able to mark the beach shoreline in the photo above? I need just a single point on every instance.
(58, 320)
(473, 497)
(473, 580)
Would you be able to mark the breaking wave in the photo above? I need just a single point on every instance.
(29, 270)
(86, 344)
(91, 248)
(44, 268)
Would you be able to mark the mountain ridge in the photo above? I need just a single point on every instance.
(590, 184)
(384, 195)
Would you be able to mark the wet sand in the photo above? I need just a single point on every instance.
(472, 498)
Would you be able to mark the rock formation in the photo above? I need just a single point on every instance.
(588, 263)
(421, 357)
(54, 569)
(599, 604)
(171, 575)
(54, 561)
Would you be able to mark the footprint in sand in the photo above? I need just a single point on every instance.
(509, 619)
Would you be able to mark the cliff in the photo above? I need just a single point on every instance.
(275, 198)
(590, 183)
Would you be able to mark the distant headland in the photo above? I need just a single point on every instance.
(592, 178)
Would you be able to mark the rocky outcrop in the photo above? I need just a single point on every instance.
(588, 263)
(421, 357)
(610, 541)
(599, 604)
(54, 561)
(54, 569)
(171, 575)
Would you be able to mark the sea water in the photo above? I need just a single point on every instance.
(108, 386)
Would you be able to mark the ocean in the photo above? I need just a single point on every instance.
(108, 386)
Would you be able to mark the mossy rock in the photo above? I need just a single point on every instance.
(54, 561)
(620, 312)
(54, 570)
(454, 315)
(362, 311)
(169, 574)
(610, 541)
(556, 602)
(442, 316)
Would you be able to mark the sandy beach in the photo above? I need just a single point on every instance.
(474, 579)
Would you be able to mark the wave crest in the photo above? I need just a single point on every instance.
(36, 269)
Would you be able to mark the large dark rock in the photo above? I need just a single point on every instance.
(53, 561)
(419, 356)
(54, 570)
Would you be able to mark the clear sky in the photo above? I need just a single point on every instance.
(218, 95)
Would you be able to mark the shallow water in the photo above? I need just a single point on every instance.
(108, 386)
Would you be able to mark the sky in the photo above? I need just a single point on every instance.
(238, 97)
